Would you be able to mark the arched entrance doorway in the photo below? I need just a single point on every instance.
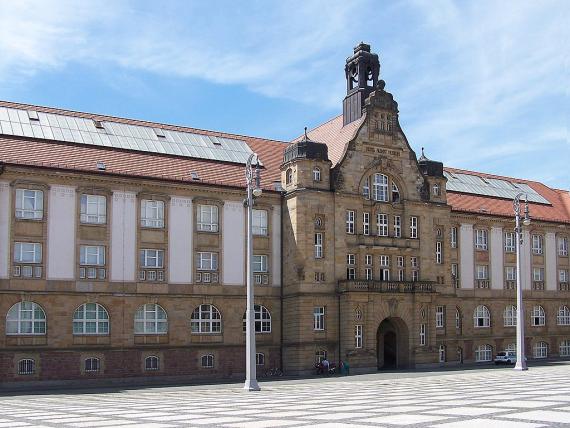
(392, 341)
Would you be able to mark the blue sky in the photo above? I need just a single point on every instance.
(482, 85)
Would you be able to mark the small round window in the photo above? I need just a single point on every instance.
(318, 222)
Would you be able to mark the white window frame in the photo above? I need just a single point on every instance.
(422, 334)
(540, 350)
(319, 318)
(564, 348)
(413, 227)
(538, 274)
(93, 209)
(382, 224)
(538, 316)
(151, 258)
(350, 259)
(442, 353)
(401, 275)
(563, 246)
(563, 317)
(481, 317)
(151, 363)
(26, 318)
(316, 174)
(510, 242)
(414, 262)
(91, 319)
(207, 218)
(368, 274)
(453, 237)
(380, 187)
(563, 275)
(395, 193)
(92, 365)
(206, 319)
(366, 223)
(400, 261)
(397, 226)
(350, 215)
(92, 255)
(510, 273)
(537, 244)
(368, 259)
(384, 261)
(29, 204)
(482, 272)
(149, 319)
(358, 336)
(152, 213)
(438, 252)
(259, 222)
(366, 188)
(439, 316)
(262, 320)
(30, 248)
(207, 261)
(484, 353)
(481, 239)
(259, 263)
(318, 245)
(510, 316)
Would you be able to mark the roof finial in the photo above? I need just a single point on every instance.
(423, 151)
(306, 138)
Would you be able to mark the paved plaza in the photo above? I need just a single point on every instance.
(474, 398)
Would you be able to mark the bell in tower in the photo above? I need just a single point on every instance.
(361, 70)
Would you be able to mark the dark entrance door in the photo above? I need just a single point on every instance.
(390, 351)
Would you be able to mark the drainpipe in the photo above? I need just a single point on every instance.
(282, 284)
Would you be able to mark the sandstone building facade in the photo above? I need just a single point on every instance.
(122, 248)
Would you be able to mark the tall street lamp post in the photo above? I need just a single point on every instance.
(252, 178)
(521, 360)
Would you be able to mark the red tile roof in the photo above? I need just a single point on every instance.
(73, 156)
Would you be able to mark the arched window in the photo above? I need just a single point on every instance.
(457, 318)
(436, 189)
(316, 174)
(262, 319)
(151, 363)
(481, 316)
(207, 361)
(541, 350)
(510, 316)
(563, 315)
(538, 317)
(320, 355)
(26, 318)
(92, 365)
(91, 318)
(206, 319)
(289, 176)
(565, 348)
(380, 188)
(259, 359)
(151, 319)
(26, 366)
(484, 353)
(395, 193)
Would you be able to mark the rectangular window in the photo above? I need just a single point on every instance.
(358, 336)
(563, 275)
(454, 237)
(29, 204)
(414, 262)
(207, 261)
(368, 259)
(439, 316)
(350, 222)
(27, 252)
(415, 275)
(510, 273)
(422, 334)
(536, 244)
(382, 224)
(207, 218)
(259, 222)
(319, 318)
(482, 272)
(152, 259)
(380, 187)
(92, 255)
(397, 226)
(401, 275)
(368, 273)
(481, 239)
(537, 274)
(563, 246)
(438, 252)
(366, 188)
(366, 223)
(413, 227)
(384, 261)
(93, 209)
(455, 275)
(152, 213)
(400, 261)
(260, 263)
(350, 259)
(350, 273)
(510, 241)
(384, 274)
(318, 245)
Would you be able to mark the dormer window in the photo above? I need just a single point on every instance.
(289, 176)
(316, 174)
(436, 190)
